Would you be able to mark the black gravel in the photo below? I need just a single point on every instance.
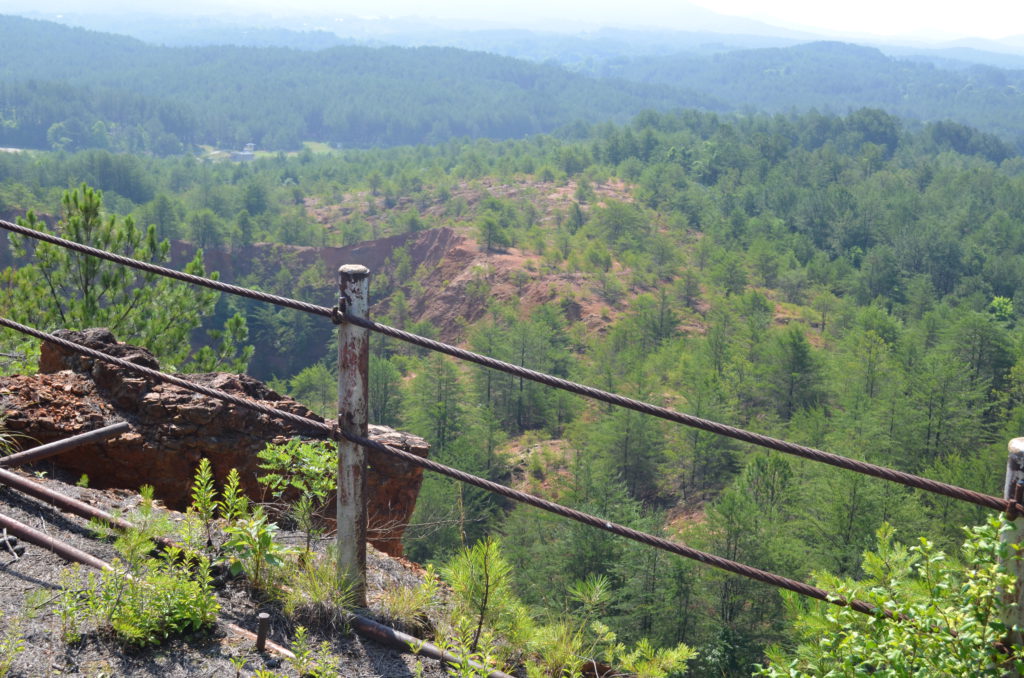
(35, 577)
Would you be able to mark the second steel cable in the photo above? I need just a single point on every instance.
(813, 454)
(327, 430)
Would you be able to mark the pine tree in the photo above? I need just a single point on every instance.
(77, 291)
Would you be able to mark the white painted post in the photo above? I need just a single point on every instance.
(353, 370)
(1013, 605)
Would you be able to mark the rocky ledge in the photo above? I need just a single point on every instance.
(173, 428)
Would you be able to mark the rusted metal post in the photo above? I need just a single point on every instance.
(353, 372)
(1013, 604)
(55, 448)
(262, 626)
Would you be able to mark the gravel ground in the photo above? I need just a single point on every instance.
(36, 575)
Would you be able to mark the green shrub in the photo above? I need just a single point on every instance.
(250, 541)
(939, 596)
(143, 602)
(307, 470)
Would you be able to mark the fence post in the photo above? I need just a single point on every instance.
(353, 368)
(1013, 605)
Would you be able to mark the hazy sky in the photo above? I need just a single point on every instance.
(932, 18)
(979, 18)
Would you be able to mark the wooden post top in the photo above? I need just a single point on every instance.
(353, 271)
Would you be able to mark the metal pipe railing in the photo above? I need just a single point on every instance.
(59, 446)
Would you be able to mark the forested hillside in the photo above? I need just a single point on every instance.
(841, 77)
(846, 282)
(70, 89)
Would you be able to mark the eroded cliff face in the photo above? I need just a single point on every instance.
(173, 428)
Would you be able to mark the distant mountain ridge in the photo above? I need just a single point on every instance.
(277, 97)
(71, 88)
(705, 32)
(839, 77)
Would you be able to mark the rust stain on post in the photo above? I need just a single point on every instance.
(353, 380)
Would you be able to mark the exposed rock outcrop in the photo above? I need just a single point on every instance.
(173, 428)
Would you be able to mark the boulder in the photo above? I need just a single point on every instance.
(173, 428)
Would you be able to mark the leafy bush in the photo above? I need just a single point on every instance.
(251, 543)
(952, 627)
(142, 603)
(305, 469)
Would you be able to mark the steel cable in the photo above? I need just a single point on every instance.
(908, 479)
(329, 431)
(862, 467)
(168, 272)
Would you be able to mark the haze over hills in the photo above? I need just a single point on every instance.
(695, 30)
(277, 97)
(168, 99)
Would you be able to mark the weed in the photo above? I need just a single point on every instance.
(70, 608)
(197, 530)
(9, 440)
(459, 644)
(560, 650)
(192, 533)
(315, 594)
(251, 543)
(142, 600)
(563, 646)
(409, 607)
(204, 496)
(233, 504)
(165, 596)
(12, 643)
(644, 660)
(147, 521)
(238, 661)
(312, 662)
